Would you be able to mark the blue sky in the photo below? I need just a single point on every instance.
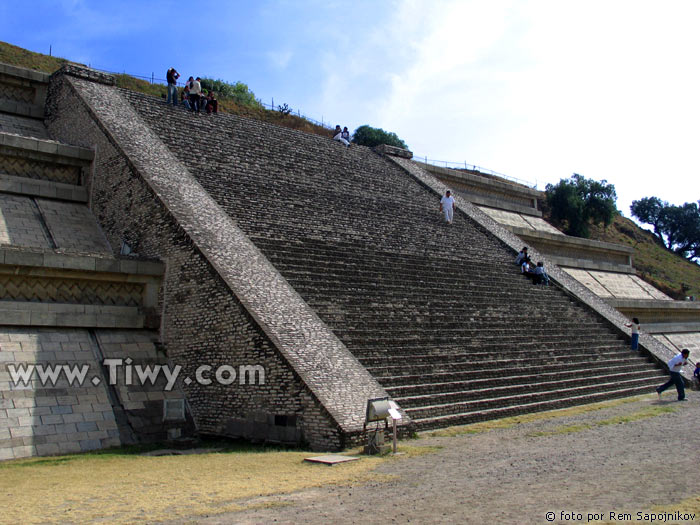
(536, 89)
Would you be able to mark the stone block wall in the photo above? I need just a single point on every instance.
(54, 418)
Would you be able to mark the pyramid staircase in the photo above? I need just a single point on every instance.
(439, 315)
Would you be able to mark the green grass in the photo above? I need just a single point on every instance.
(509, 422)
(646, 413)
(16, 56)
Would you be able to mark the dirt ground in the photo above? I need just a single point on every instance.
(640, 456)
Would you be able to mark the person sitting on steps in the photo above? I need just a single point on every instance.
(522, 255)
(541, 276)
(526, 270)
(338, 135)
(212, 105)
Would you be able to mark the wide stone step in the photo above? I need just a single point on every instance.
(555, 392)
(399, 310)
(428, 327)
(405, 299)
(368, 266)
(551, 340)
(479, 359)
(407, 285)
(427, 393)
(378, 288)
(371, 320)
(497, 366)
(427, 354)
(474, 329)
(485, 414)
(340, 255)
(425, 374)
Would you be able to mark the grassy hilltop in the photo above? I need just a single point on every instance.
(654, 263)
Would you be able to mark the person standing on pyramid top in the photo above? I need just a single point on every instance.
(194, 93)
(172, 75)
(447, 206)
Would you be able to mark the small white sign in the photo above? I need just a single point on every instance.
(394, 413)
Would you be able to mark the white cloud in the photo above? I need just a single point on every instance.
(540, 90)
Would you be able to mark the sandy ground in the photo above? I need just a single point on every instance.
(511, 475)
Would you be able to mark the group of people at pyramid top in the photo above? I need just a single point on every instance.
(193, 96)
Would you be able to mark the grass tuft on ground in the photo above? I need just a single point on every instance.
(645, 413)
(509, 422)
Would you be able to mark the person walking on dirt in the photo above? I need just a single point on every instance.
(675, 365)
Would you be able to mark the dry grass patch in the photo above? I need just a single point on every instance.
(509, 422)
(118, 486)
(127, 488)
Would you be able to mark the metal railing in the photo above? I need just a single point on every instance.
(472, 167)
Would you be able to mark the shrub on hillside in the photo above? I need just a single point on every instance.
(239, 92)
(369, 136)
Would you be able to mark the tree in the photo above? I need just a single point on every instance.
(648, 210)
(576, 202)
(677, 227)
(369, 136)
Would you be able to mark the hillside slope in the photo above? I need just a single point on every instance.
(670, 273)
